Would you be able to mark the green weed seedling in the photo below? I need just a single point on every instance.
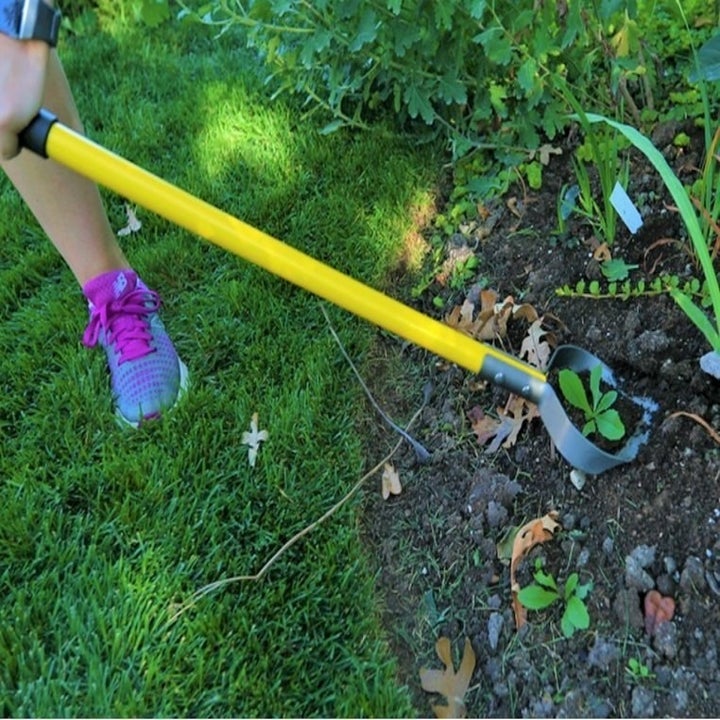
(637, 671)
(545, 591)
(600, 416)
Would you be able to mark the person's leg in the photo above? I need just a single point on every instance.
(147, 377)
(67, 206)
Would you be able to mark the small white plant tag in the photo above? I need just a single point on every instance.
(626, 208)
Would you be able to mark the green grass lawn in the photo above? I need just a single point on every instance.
(103, 531)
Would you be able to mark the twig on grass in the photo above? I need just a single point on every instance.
(422, 454)
(218, 584)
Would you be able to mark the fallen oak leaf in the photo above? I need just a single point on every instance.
(133, 224)
(658, 608)
(536, 348)
(485, 325)
(452, 685)
(505, 430)
(497, 321)
(253, 439)
(516, 413)
(390, 481)
(487, 428)
(490, 321)
(531, 534)
(525, 311)
(461, 318)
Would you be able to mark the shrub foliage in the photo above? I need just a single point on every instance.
(484, 71)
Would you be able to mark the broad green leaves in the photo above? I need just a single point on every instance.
(152, 12)
(600, 416)
(470, 68)
(708, 61)
(545, 591)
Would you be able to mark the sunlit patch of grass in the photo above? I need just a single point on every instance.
(103, 531)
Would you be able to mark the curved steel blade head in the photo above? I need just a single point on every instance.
(580, 452)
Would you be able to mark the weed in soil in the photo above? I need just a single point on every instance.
(649, 525)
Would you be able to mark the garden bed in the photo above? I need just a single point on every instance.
(651, 524)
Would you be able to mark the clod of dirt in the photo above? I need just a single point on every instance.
(636, 577)
(665, 639)
(692, 577)
(627, 608)
(603, 653)
(494, 628)
(643, 702)
(492, 487)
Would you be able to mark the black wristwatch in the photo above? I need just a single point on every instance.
(30, 20)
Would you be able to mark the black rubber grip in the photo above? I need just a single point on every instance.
(34, 136)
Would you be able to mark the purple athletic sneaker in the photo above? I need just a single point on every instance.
(146, 375)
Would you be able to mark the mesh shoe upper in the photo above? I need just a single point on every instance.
(146, 374)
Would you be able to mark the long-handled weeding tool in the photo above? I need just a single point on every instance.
(51, 139)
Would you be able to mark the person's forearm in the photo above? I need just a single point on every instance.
(28, 29)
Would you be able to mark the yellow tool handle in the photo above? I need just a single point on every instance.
(91, 160)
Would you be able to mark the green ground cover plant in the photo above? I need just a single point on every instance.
(105, 533)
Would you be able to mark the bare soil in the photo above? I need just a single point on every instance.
(650, 524)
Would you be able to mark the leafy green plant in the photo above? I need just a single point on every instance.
(545, 591)
(710, 329)
(637, 671)
(665, 283)
(483, 72)
(463, 272)
(601, 150)
(600, 416)
(704, 191)
(149, 12)
(616, 269)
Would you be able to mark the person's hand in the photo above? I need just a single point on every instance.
(23, 67)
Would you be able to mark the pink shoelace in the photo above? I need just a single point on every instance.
(126, 325)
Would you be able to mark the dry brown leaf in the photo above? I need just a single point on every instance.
(517, 411)
(452, 685)
(488, 428)
(504, 430)
(544, 152)
(528, 536)
(491, 320)
(390, 481)
(536, 348)
(461, 318)
(602, 253)
(483, 327)
(525, 311)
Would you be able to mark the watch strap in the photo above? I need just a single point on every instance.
(30, 20)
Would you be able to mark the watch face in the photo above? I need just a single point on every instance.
(10, 17)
